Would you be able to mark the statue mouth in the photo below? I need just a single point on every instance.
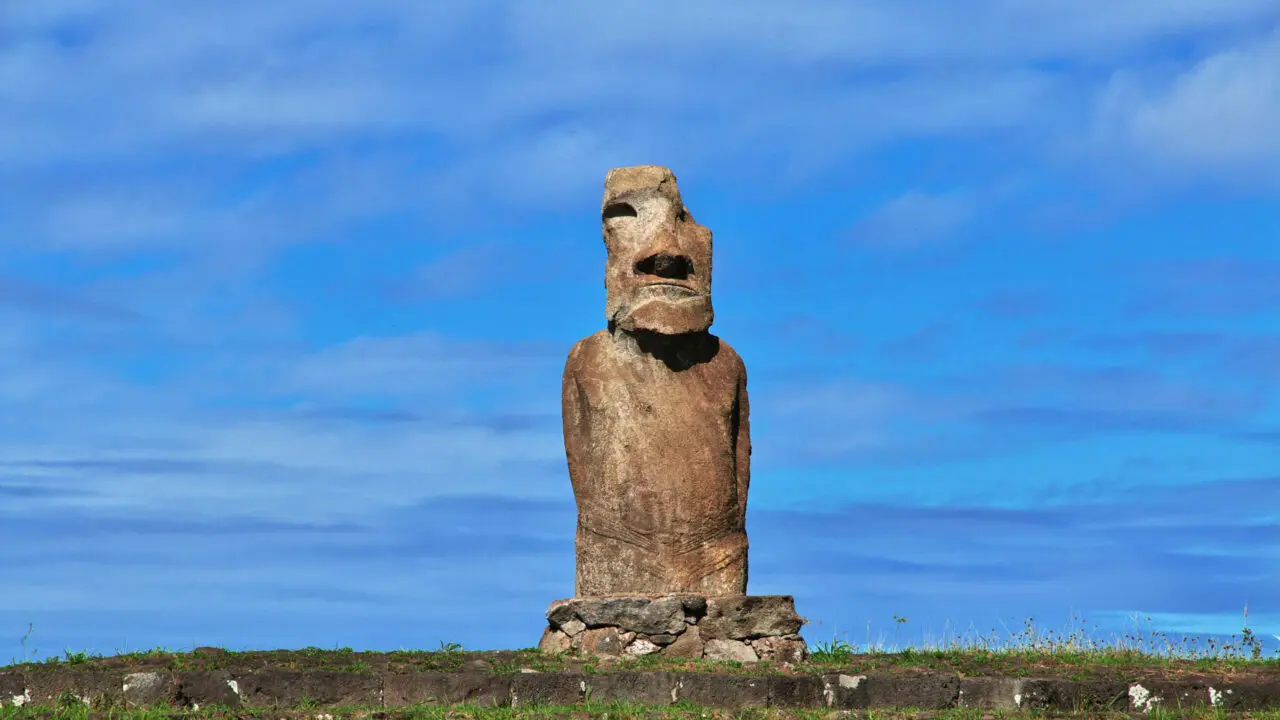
(669, 289)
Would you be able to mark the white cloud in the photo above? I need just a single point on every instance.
(1216, 118)
(879, 33)
(416, 364)
(914, 219)
(516, 96)
(69, 421)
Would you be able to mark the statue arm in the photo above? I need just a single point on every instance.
(742, 452)
(574, 424)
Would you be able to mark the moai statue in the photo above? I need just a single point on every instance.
(655, 410)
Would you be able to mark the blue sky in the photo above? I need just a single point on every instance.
(286, 289)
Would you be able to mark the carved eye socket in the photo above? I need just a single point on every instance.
(617, 210)
(683, 216)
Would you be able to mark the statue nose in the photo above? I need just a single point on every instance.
(666, 265)
(662, 243)
(669, 267)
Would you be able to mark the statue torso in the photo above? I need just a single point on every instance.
(657, 471)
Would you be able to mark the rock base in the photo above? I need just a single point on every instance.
(746, 628)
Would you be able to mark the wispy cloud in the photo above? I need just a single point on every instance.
(534, 120)
(1047, 557)
(51, 302)
(1213, 118)
(1209, 286)
(990, 412)
(914, 219)
(1015, 304)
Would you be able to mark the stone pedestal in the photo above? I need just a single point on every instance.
(747, 628)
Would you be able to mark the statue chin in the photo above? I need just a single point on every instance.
(668, 317)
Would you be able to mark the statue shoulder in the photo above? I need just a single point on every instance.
(727, 355)
(585, 352)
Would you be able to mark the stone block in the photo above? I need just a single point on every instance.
(845, 692)
(1074, 695)
(547, 689)
(795, 691)
(555, 641)
(148, 689)
(781, 650)
(1182, 694)
(924, 691)
(274, 687)
(742, 617)
(202, 688)
(445, 688)
(95, 687)
(650, 688)
(13, 689)
(599, 641)
(687, 644)
(650, 616)
(1249, 695)
(725, 691)
(737, 650)
(990, 693)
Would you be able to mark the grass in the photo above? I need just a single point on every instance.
(1073, 654)
(1030, 648)
(1016, 653)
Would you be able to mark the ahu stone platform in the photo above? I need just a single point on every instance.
(746, 628)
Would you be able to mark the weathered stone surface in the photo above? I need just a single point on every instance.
(1060, 694)
(655, 410)
(446, 688)
(718, 649)
(926, 691)
(740, 617)
(845, 692)
(561, 612)
(148, 688)
(638, 614)
(201, 688)
(612, 625)
(651, 236)
(995, 693)
(795, 691)
(276, 687)
(1168, 695)
(555, 641)
(1248, 695)
(688, 644)
(599, 641)
(650, 688)
(547, 689)
(781, 650)
(1175, 694)
(655, 417)
(641, 646)
(726, 691)
(13, 688)
(95, 687)
(695, 607)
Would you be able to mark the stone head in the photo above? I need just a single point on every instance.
(658, 274)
